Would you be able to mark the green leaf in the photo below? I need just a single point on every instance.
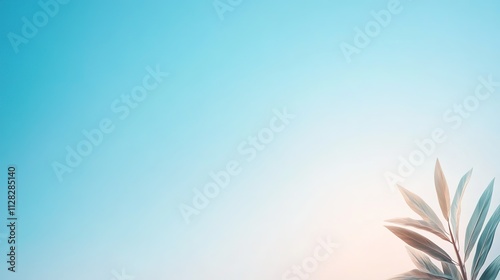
(418, 205)
(485, 242)
(456, 205)
(492, 271)
(420, 224)
(451, 270)
(442, 191)
(422, 262)
(477, 220)
(421, 243)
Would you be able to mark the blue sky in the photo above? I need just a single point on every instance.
(119, 207)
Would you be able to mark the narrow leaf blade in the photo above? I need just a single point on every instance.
(485, 242)
(451, 270)
(422, 262)
(477, 220)
(492, 271)
(419, 206)
(421, 243)
(421, 224)
(456, 205)
(442, 190)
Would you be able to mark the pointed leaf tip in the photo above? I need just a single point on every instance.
(456, 206)
(419, 206)
(442, 190)
(485, 242)
(492, 271)
(421, 243)
(477, 220)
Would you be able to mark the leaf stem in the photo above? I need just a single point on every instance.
(460, 263)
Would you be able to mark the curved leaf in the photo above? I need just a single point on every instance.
(477, 220)
(456, 205)
(420, 224)
(418, 205)
(421, 243)
(451, 270)
(492, 271)
(442, 190)
(485, 242)
(422, 262)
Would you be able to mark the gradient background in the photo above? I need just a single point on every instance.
(322, 176)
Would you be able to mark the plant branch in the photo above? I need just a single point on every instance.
(460, 263)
